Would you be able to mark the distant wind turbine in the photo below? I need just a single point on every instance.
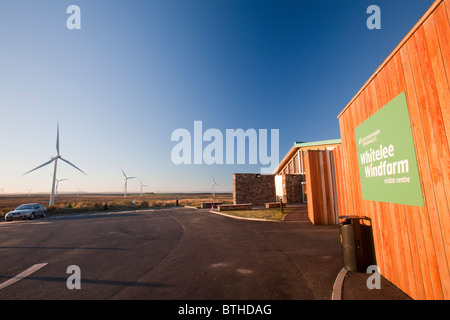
(142, 186)
(126, 182)
(55, 159)
(213, 187)
(29, 192)
(57, 184)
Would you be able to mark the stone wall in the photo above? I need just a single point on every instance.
(292, 188)
(253, 188)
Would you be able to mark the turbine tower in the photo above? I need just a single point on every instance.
(55, 159)
(142, 186)
(213, 188)
(126, 182)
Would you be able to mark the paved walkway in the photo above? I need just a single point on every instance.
(354, 286)
(300, 213)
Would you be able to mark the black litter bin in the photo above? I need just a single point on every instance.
(357, 243)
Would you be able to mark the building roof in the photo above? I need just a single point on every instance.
(304, 145)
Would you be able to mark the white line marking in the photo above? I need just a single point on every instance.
(22, 223)
(9, 223)
(22, 275)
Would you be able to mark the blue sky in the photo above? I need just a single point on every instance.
(138, 70)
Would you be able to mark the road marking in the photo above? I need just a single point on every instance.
(9, 223)
(22, 223)
(22, 275)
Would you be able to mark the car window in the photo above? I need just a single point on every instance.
(24, 206)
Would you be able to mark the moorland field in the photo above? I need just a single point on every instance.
(90, 202)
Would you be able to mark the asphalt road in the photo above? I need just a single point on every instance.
(172, 254)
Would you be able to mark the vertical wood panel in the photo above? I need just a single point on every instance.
(431, 149)
(408, 233)
(372, 208)
(390, 222)
(344, 198)
(440, 116)
(332, 192)
(340, 185)
(437, 32)
(318, 205)
(447, 5)
(439, 148)
(327, 185)
(310, 193)
(322, 216)
(412, 244)
(354, 173)
(348, 168)
(321, 193)
(399, 211)
(423, 166)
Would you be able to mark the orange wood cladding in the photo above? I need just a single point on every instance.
(412, 244)
(321, 187)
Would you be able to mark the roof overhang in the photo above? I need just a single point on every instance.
(305, 145)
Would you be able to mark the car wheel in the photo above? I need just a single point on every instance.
(44, 214)
(32, 216)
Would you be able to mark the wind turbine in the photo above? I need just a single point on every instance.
(57, 183)
(29, 192)
(213, 187)
(55, 159)
(142, 186)
(126, 182)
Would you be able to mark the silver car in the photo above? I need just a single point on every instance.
(27, 211)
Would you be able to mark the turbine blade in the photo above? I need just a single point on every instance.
(50, 161)
(57, 138)
(123, 173)
(131, 177)
(73, 165)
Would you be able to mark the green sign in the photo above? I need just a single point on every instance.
(386, 156)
